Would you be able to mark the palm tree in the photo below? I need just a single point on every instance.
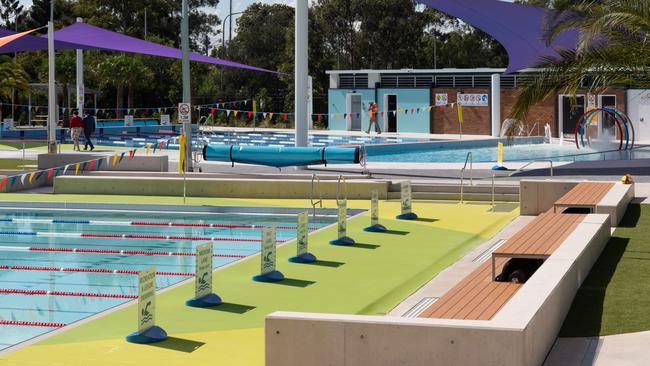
(613, 49)
(12, 77)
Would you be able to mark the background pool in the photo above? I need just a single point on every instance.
(17, 228)
(525, 152)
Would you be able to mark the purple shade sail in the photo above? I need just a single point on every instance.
(88, 37)
(518, 28)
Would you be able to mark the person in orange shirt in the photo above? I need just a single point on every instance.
(373, 118)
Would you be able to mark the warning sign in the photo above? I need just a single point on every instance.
(184, 112)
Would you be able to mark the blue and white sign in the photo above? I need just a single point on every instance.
(128, 120)
(472, 100)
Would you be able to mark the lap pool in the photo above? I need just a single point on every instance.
(58, 266)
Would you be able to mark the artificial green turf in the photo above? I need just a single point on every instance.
(615, 297)
(15, 164)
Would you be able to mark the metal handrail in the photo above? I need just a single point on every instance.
(314, 177)
(532, 128)
(531, 162)
(469, 158)
(340, 179)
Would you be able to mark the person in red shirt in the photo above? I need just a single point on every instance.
(372, 110)
(76, 128)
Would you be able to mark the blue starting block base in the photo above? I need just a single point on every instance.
(151, 335)
(303, 258)
(499, 167)
(206, 301)
(275, 276)
(346, 241)
(407, 216)
(378, 228)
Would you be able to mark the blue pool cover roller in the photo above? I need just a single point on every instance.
(282, 156)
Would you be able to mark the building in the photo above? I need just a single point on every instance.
(426, 101)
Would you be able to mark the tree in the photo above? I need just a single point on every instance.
(123, 71)
(12, 77)
(613, 49)
(10, 11)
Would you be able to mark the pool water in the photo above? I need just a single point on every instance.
(24, 229)
(524, 152)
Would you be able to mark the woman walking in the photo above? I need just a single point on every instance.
(76, 128)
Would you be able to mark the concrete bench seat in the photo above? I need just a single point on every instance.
(538, 196)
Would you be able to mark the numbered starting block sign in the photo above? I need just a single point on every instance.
(203, 295)
(147, 332)
(342, 238)
(406, 202)
(375, 226)
(268, 272)
(302, 250)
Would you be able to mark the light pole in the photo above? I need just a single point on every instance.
(301, 73)
(223, 29)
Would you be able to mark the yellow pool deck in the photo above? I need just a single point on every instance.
(368, 278)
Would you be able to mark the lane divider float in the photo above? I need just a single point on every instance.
(15, 291)
(92, 270)
(113, 251)
(31, 324)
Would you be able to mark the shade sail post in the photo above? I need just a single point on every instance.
(80, 78)
(301, 70)
(495, 104)
(187, 97)
(52, 109)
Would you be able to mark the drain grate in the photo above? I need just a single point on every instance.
(486, 254)
(420, 307)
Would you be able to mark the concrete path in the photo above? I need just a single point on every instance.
(615, 350)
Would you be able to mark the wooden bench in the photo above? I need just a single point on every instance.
(584, 195)
(539, 238)
(476, 297)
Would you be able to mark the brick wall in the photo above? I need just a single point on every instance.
(477, 119)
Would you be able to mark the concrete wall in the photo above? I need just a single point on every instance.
(206, 187)
(143, 163)
(521, 333)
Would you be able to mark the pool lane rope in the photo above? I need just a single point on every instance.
(113, 251)
(126, 236)
(144, 223)
(31, 324)
(15, 291)
(92, 270)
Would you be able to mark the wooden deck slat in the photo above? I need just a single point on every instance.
(475, 297)
(585, 194)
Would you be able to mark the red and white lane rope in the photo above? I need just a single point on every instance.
(112, 251)
(31, 324)
(15, 291)
(144, 223)
(92, 270)
(53, 234)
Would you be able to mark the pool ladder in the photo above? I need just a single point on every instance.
(469, 159)
(315, 179)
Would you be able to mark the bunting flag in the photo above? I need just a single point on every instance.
(50, 172)
(13, 181)
(114, 159)
(22, 179)
(146, 152)
(99, 163)
(271, 115)
(155, 146)
(76, 169)
(132, 153)
(108, 161)
(284, 116)
(91, 165)
(235, 113)
(121, 157)
(382, 113)
(264, 115)
(31, 176)
(162, 143)
(38, 175)
(250, 114)
(460, 114)
(84, 165)
(3, 182)
(65, 169)
(406, 111)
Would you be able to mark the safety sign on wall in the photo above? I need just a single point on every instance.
(441, 99)
(472, 100)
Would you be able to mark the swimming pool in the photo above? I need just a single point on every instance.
(98, 252)
(449, 153)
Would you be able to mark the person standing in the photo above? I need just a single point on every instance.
(89, 128)
(76, 128)
(373, 118)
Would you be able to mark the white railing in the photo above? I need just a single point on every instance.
(462, 175)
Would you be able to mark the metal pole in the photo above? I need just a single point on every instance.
(495, 104)
(145, 24)
(51, 86)
(80, 78)
(230, 22)
(187, 98)
(301, 71)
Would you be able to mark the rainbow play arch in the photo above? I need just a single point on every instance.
(623, 123)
